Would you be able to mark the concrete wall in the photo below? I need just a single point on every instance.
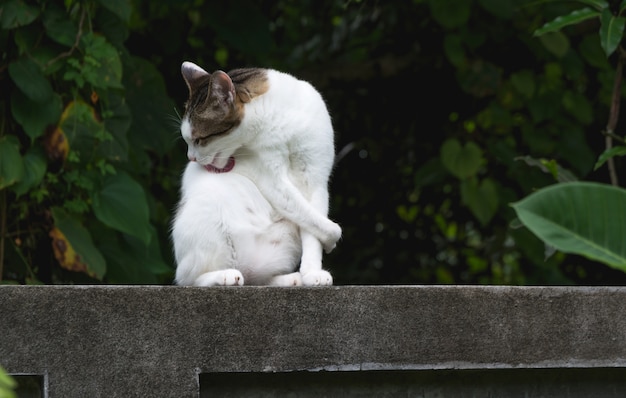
(151, 341)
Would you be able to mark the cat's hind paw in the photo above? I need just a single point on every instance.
(317, 278)
(227, 277)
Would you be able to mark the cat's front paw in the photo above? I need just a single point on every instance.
(293, 279)
(231, 277)
(317, 278)
(333, 234)
(227, 277)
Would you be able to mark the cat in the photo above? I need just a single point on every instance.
(254, 195)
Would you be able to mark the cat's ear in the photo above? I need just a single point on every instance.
(193, 75)
(222, 88)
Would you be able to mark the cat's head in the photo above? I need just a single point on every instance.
(212, 114)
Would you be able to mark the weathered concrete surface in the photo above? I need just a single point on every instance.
(144, 341)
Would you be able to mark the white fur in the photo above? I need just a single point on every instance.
(277, 192)
(226, 233)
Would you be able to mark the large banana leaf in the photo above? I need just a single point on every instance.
(583, 218)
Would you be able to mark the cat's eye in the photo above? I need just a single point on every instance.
(202, 140)
(199, 141)
(222, 132)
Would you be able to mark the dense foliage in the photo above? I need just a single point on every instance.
(581, 217)
(445, 113)
(75, 180)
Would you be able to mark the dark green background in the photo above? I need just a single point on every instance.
(400, 79)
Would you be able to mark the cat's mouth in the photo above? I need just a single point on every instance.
(227, 167)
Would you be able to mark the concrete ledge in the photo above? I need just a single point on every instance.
(113, 341)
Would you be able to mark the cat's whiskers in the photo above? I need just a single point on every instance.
(175, 120)
(176, 137)
(178, 118)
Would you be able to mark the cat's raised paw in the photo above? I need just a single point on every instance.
(317, 278)
(333, 235)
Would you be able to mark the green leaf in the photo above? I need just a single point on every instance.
(592, 51)
(407, 213)
(462, 161)
(7, 384)
(35, 166)
(117, 121)
(606, 155)
(151, 108)
(611, 31)
(482, 199)
(122, 8)
(11, 163)
(122, 205)
(622, 7)
(58, 26)
(551, 167)
(26, 38)
(81, 127)
(15, 13)
(28, 77)
(35, 117)
(583, 218)
(562, 21)
(73, 246)
(112, 27)
(152, 254)
(101, 65)
(555, 42)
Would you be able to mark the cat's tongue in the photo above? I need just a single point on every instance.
(228, 167)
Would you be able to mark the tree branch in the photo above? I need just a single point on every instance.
(614, 114)
(614, 136)
(3, 227)
(76, 42)
(3, 194)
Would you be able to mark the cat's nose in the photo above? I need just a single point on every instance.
(191, 158)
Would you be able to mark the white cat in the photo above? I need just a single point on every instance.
(254, 197)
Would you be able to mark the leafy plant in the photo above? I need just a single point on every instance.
(73, 179)
(7, 385)
(581, 218)
(586, 218)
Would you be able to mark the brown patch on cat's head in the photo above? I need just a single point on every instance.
(212, 108)
(216, 100)
(249, 83)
